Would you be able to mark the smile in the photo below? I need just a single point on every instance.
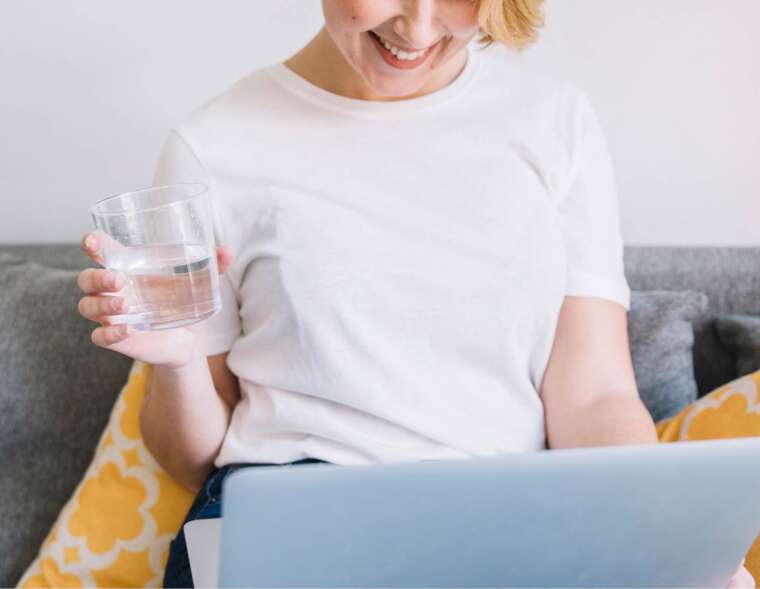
(402, 58)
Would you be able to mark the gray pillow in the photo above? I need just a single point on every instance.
(741, 335)
(661, 336)
(56, 392)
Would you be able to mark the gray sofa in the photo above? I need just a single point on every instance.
(56, 388)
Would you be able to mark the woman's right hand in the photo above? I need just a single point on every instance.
(173, 348)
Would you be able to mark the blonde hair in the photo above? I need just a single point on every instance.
(514, 23)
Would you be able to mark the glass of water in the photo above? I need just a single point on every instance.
(162, 240)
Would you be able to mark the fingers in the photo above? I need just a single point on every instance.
(96, 242)
(109, 335)
(90, 245)
(93, 280)
(96, 308)
(224, 257)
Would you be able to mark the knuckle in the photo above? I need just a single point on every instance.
(106, 335)
(100, 279)
(107, 280)
(110, 335)
(115, 334)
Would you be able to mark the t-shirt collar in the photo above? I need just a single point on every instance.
(306, 90)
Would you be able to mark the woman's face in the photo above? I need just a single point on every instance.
(423, 36)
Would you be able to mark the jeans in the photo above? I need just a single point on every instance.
(207, 505)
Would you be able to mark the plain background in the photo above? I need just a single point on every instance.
(90, 87)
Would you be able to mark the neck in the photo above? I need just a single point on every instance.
(321, 63)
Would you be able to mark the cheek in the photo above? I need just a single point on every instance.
(352, 16)
(461, 17)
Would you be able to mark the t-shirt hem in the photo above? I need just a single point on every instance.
(584, 284)
(220, 342)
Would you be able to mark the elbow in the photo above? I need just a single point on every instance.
(607, 420)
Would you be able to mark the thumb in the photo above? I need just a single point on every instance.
(224, 257)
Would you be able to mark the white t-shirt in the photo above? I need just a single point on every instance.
(400, 266)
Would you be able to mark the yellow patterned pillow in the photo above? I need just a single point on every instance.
(116, 528)
(730, 411)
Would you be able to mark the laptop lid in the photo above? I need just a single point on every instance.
(661, 515)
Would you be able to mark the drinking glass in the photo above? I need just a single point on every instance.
(162, 240)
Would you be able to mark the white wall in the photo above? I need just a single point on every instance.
(677, 86)
(89, 87)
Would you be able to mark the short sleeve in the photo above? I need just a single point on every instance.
(589, 213)
(178, 163)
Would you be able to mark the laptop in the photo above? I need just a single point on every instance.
(662, 515)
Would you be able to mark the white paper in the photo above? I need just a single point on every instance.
(203, 537)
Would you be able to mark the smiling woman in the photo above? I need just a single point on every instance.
(424, 258)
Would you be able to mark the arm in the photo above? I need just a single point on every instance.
(589, 388)
(189, 399)
(185, 415)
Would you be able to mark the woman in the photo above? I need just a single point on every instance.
(423, 260)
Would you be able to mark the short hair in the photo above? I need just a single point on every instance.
(514, 23)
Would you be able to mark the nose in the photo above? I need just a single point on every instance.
(417, 25)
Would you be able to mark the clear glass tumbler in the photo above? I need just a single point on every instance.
(162, 239)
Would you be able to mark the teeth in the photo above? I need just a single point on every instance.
(402, 55)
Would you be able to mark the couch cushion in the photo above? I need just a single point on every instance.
(68, 256)
(727, 275)
(661, 340)
(741, 335)
(56, 391)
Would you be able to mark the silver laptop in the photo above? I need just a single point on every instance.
(671, 515)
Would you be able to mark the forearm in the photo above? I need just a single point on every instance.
(607, 421)
(183, 421)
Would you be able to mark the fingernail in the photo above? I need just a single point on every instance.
(117, 304)
(90, 242)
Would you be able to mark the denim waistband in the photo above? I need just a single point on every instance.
(236, 465)
(213, 483)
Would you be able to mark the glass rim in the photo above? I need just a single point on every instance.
(203, 188)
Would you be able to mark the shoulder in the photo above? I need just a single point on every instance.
(516, 78)
(514, 89)
(247, 99)
(520, 92)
